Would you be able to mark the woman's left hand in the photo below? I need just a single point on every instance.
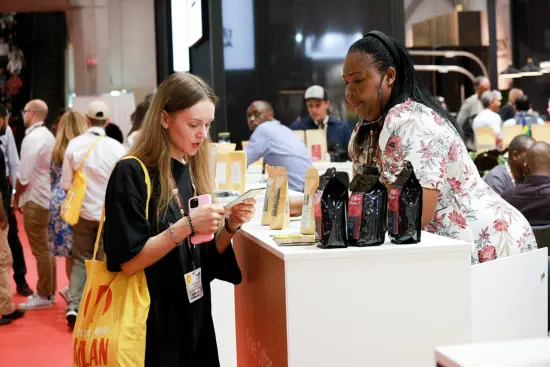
(242, 213)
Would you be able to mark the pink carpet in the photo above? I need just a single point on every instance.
(41, 338)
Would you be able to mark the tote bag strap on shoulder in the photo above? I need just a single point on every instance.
(88, 152)
(102, 220)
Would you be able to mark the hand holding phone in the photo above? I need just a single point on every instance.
(206, 217)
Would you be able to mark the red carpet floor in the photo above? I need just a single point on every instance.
(41, 338)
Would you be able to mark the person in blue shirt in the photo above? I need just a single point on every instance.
(338, 133)
(276, 144)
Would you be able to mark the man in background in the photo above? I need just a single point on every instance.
(276, 144)
(11, 162)
(505, 176)
(97, 168)
(32, 193)
(508, 111)
(489, 116)
(471, 107)
(337, 132)
(532, 198)
(524, 115)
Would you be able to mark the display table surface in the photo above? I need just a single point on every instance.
(389, 305)
(526, 352)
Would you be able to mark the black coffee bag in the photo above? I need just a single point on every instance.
(331, 202)
(367, 208)
(405, 207)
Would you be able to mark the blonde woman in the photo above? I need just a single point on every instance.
(173, 144)
(60, 232)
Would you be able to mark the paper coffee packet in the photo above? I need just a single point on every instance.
(331, 203)
(308, 208)
(367, 207)
(280, 213)
(268, 198)
(405, 207)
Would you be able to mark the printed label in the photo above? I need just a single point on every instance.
(236, 173)
(267, 193)
(221, 173)
(318, 214)
(393, 210)
(316, 152)
(306, 210)
(276, 202)
(355, 215)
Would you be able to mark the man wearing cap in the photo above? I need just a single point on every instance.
(32, 193)
(338, 133)
(97, 168)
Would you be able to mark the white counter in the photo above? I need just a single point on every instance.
(526, 352)
(262, 236)
(389, 305)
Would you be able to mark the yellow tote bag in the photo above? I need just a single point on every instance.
(111, 323)
(70, 210)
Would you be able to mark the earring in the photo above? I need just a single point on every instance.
(165, 127)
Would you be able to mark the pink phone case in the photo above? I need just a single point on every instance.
(205, 199)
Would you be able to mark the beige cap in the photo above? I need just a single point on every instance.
(98, 110)
(315, 92)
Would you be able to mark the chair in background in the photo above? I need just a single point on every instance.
(485, 139)
(509, 133)
(542, 234)
(541, 132)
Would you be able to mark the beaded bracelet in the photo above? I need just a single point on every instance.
(190, 224)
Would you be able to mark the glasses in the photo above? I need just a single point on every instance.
(25, 111)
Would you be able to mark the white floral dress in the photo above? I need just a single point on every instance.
(467, 209)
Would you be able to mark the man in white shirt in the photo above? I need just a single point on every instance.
(33, 195)
(11, 156)
(97, 168)
(489, 116)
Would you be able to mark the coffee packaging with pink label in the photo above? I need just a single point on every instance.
(405, 207)
(367, 208)
(331, 202)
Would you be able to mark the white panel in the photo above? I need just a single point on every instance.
(377, 311)
(238, 34)
(510, 297)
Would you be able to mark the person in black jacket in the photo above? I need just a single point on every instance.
(338, 133)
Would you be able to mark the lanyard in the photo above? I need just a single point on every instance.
(179, 202)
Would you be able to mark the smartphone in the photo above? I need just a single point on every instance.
(194, 203)
(252, 193)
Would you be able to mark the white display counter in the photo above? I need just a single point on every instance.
(526, 352)
(389, 305)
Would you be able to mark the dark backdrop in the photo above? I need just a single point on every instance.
(283, 69)
(531, 38)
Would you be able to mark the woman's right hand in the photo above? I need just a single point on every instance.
(207, 218)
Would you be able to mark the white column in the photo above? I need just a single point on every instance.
(89, 31)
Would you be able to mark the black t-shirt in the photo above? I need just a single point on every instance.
(178, 333)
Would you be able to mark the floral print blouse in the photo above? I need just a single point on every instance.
(467, 209)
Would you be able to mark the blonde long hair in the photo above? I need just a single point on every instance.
(70, 126)
(178, 92)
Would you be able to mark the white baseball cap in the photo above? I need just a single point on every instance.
(98, 110)
(315, 92)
